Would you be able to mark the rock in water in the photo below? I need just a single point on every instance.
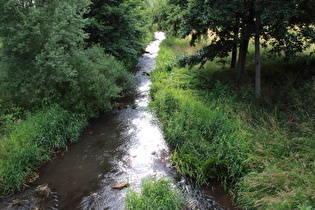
(44, 191)
(121, 185)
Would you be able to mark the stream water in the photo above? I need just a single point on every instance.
(125, 144)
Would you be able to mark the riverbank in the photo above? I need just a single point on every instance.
(59, 74)
(263, 155)
(32, 142)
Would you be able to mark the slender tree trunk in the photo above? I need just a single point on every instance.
(241, 60)
(257, 57)
(234, 49)
(246, 30)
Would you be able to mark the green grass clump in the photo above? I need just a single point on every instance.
(155, 194)
(32, 142)
(265, 154)
(207, 138)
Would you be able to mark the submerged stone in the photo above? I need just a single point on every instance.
(121, 185)
(44, 191)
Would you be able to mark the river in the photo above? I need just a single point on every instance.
(125, 144)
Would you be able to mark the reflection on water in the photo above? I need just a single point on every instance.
(143, 150)
(124, 145)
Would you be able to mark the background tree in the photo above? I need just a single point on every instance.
(286, 26)
(119, 26)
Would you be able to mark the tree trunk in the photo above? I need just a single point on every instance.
(241, 60)
(234, 55)
(246, 30)
(257, 57)
(234, 49)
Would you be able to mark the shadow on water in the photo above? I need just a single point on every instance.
(125, 144)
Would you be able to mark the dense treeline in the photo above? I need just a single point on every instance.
(62, 62)
(260, 144)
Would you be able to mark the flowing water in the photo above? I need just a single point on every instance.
(125, 144)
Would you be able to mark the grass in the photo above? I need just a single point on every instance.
(31, 142)
(264, 155)
(155, 194)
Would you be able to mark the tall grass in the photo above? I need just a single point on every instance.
(32, 142)
(265, 154)
(155, 194)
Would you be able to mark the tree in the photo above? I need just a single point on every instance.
(119, 26)
(285, 25)
(43, 56)
(38, 39)
(257, 54)
(219, 19)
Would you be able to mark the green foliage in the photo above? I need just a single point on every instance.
(286, 27)
(155, 194)
(9, 117)
(121, 27)
(44, 61)
(206, 137)
(166, 15)
(283, 164)
(32, 142)
(265, 154)
(37, 49)
(100, 78)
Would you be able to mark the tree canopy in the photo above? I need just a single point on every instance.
(287, 27)
(119, 26)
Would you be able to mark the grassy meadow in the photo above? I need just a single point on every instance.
(263, 154)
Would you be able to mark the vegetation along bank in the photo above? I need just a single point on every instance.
(263, 154)
(238, 106)
(61, 63)
(235, 97)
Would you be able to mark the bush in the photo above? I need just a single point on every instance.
(100, 79)
(120, 27)
(44, 60)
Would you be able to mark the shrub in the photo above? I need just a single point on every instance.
(100, 78)
(44, 60)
